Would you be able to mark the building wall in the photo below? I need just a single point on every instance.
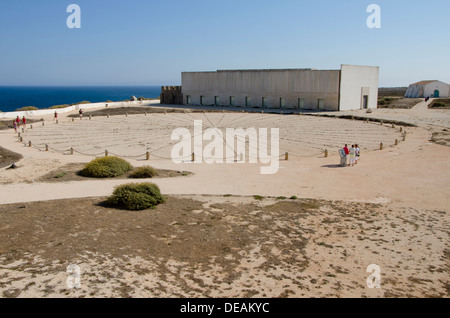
(171, 95)
(414, 91)
(280, 88)
(357, 81)
(442, 87)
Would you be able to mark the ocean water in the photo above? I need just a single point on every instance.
(12, 98)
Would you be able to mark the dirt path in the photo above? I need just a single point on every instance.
(423, 106)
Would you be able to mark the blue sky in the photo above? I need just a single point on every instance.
(150, 42)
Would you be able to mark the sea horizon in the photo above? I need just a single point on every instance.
(13, 97)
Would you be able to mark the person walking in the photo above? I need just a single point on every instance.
(56, 116)
(357, 154)
(15, 125)
(24, 122)
(347, 152)
(18, 121)
(352, 154)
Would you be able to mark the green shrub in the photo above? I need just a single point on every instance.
(136, 196)
(60, 175)
(258, 197)
(26, 108)
(59, 106)
(144, 172)
(80, 103)
(438, 104)
(107, 167)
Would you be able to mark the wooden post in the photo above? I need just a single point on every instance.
(381, 146)
(71, 151)
(367, 121)
(73, 119)
(147, 156)
(393, 126)
(396, 142)
(46, 147)
(43, 124)
(29, 143)
(382, 122)
(106, 153)
(326, 153)
(401, 129)
(193, 157)
(286, 156)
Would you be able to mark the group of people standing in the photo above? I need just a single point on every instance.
(19, 121)
(352, 155)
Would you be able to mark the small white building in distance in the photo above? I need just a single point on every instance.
(351, 87)
(423, 89)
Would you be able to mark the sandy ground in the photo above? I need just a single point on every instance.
(391, 198)
(208, 246)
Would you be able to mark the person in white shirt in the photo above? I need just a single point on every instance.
(357, 154)
(352, 156)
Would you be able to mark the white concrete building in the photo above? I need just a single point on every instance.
(424, 89)
(351, 87)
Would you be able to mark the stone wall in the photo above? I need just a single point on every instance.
(171, 95)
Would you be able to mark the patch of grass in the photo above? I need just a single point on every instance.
(293, 198)
(144, 173)
(136, 196)
(59, 106)
(107, 167)
(441, 103)
(258, 197)
(281, 198)
(81, 103)
(310, 205)
(227, 195)
(27, 108)
(60, 175)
